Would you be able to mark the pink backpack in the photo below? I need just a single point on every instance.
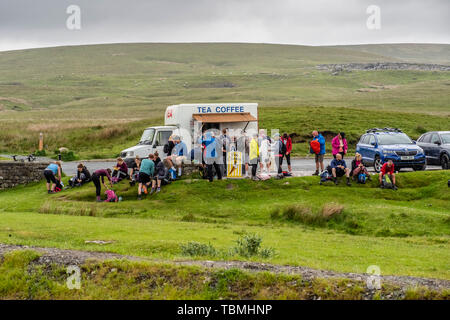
(110, 196)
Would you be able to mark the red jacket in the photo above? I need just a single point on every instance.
(385, 170)
(288, 143)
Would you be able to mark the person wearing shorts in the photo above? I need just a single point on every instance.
(319, 156)
(50, 173)
(339, 169)
(145, 174)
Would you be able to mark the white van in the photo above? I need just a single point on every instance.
(189, 121)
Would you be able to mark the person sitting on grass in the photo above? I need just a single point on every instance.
(102, 173)
(388, 169)
(145, 174)
(358, 167)
(180, 153)
(120, 170)
(83, 176)
(134, 171)
(159, 176)
(339, 169)
(50, 173)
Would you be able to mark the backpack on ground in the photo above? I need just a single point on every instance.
(362, 178)
(315, 146)
(386, 182)
(58, 186)
(325, 176)
(287, 174)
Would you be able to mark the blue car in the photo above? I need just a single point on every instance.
(377, 146)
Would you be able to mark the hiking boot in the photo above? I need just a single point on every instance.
(316, 173)
(158, 190)
(394, 187)
(152, 191)
(348, 182)
(336, 181)
(139, 198)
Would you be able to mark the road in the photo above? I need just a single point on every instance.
(300, 166)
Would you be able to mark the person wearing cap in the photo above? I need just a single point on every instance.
(339, 145)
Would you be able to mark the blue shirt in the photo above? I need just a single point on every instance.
(180, 149)
(147, 167)
(335, 163)
(53, 167)
(321, 140)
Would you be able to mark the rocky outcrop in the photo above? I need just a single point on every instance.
(14, 173)
(336, 68)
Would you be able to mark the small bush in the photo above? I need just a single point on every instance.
(249, 246)
(420, 129)
(331, 209)
(188, 218)
(40, 153)
(197, 249)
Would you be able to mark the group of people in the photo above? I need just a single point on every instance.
(258, 151)
(338, 167)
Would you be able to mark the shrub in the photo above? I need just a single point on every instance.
(188, 217)
(249, 245)
(331, 209)
(40, 153)
(193, 248)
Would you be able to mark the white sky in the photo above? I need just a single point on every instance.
(42, 23)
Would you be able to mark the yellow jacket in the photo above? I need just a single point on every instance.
(254, 149)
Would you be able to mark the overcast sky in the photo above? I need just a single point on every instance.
(42, 23)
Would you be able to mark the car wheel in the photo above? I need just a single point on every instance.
(444, 162)
(377, 164)
(420, 168)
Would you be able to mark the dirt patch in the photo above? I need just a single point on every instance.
(15, 100)
(76, 257)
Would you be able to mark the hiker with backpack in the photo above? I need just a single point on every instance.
(318, 149)
(100, 175)
(339, 169)
(339, 145)
(286, 151)
(145, 174)
(359, 171)
(83, 176)
(52, 171)
(387, 175)
(120, 171)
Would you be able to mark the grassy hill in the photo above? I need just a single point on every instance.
(117, 90)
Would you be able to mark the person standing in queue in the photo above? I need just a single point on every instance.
(102, 173)
(320, 152)
(212, 156)
(254, 155)
(339, 144)
(50, 173)
(287, 141)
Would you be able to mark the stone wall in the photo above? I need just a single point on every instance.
(14, 173)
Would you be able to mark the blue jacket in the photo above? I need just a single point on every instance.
(211, 146)
(335, 163)
(321, 140)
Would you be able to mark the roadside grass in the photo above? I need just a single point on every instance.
(339, 228)
(21, 277)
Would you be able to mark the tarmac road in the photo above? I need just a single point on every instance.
(300, 166)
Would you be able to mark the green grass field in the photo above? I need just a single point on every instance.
(96, 100)
(404, 232)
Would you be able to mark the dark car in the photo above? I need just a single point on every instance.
(436, 145)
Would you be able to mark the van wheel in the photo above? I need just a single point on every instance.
(444, 162)
(420, 168)
(377, 164)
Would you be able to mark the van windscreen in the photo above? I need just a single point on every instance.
(147, 136)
